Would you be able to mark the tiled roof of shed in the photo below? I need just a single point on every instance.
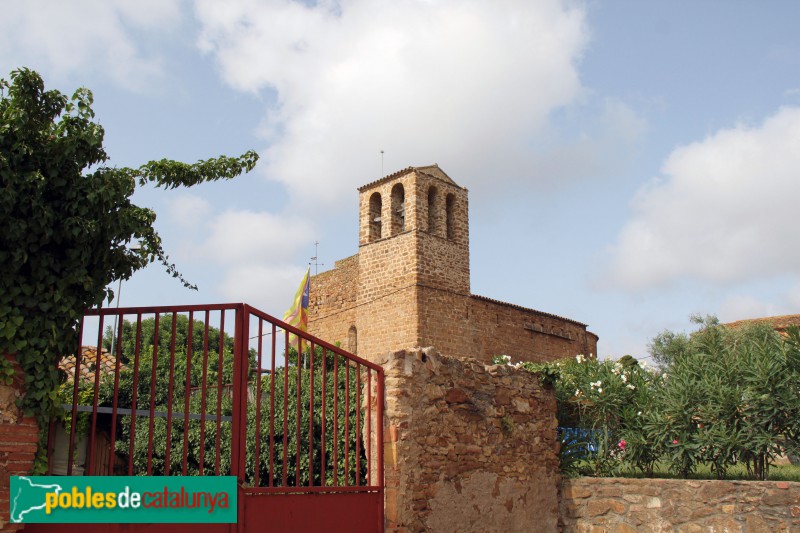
(88, 363)
(429, 170)
(780, 323)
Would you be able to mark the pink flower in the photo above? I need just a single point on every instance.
(622, 444)
(675, 441)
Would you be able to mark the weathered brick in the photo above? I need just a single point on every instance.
(18, 443)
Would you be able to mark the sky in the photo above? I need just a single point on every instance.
(629, 163)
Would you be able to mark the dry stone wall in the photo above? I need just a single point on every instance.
(468, 446)
(616, 505)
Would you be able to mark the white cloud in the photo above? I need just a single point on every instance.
(254, 252)
(601, 148)
(268, 287)
(248, 237)
(469, 85)
(725, 210)
(189, 209)
(794, 297)
(740, 307)
(87, 35)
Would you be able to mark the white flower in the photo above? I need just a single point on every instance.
(577, 392)
(506, 358)
(600, 390)
(631, 386)
(639, 413)
(624, 378)
(580, 358)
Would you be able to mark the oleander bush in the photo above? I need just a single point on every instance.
(720, 398)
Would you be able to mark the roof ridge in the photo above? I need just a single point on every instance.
(420, 169)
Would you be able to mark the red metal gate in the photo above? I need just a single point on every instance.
(226, 390)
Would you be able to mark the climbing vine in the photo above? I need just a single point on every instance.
(67, 222)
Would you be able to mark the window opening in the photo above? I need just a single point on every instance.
(352, 340)
(398, 209)
(375, 205)
(450, 208)
(432, 201)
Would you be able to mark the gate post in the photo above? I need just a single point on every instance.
(240, 368)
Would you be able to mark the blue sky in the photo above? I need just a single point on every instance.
(629, 163)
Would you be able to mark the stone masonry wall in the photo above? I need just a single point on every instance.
(19, 436)
(617, 505)
(468, 447)
(332, 302)
(464, 326)
(458, 324)
(526, 334)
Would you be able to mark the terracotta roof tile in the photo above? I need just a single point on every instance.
(88, 364)
(779, 323)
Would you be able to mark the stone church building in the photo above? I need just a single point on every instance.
(408, 285)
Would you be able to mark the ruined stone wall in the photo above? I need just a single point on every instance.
(19, 436)
(655, 505)
(468, 447)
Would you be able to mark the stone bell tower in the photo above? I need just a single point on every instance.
(408, 286)
(413, 248)
(413, 252)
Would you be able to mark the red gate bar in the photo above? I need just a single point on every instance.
(251, 412)
(282, 422)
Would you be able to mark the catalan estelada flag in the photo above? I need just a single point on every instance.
(297, 315)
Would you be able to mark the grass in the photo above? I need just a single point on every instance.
(736, 472)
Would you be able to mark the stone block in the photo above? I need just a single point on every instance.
(653, 503)
(601, 506)
(778, 498)
(724, 524)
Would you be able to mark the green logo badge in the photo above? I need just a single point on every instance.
(122, 500)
